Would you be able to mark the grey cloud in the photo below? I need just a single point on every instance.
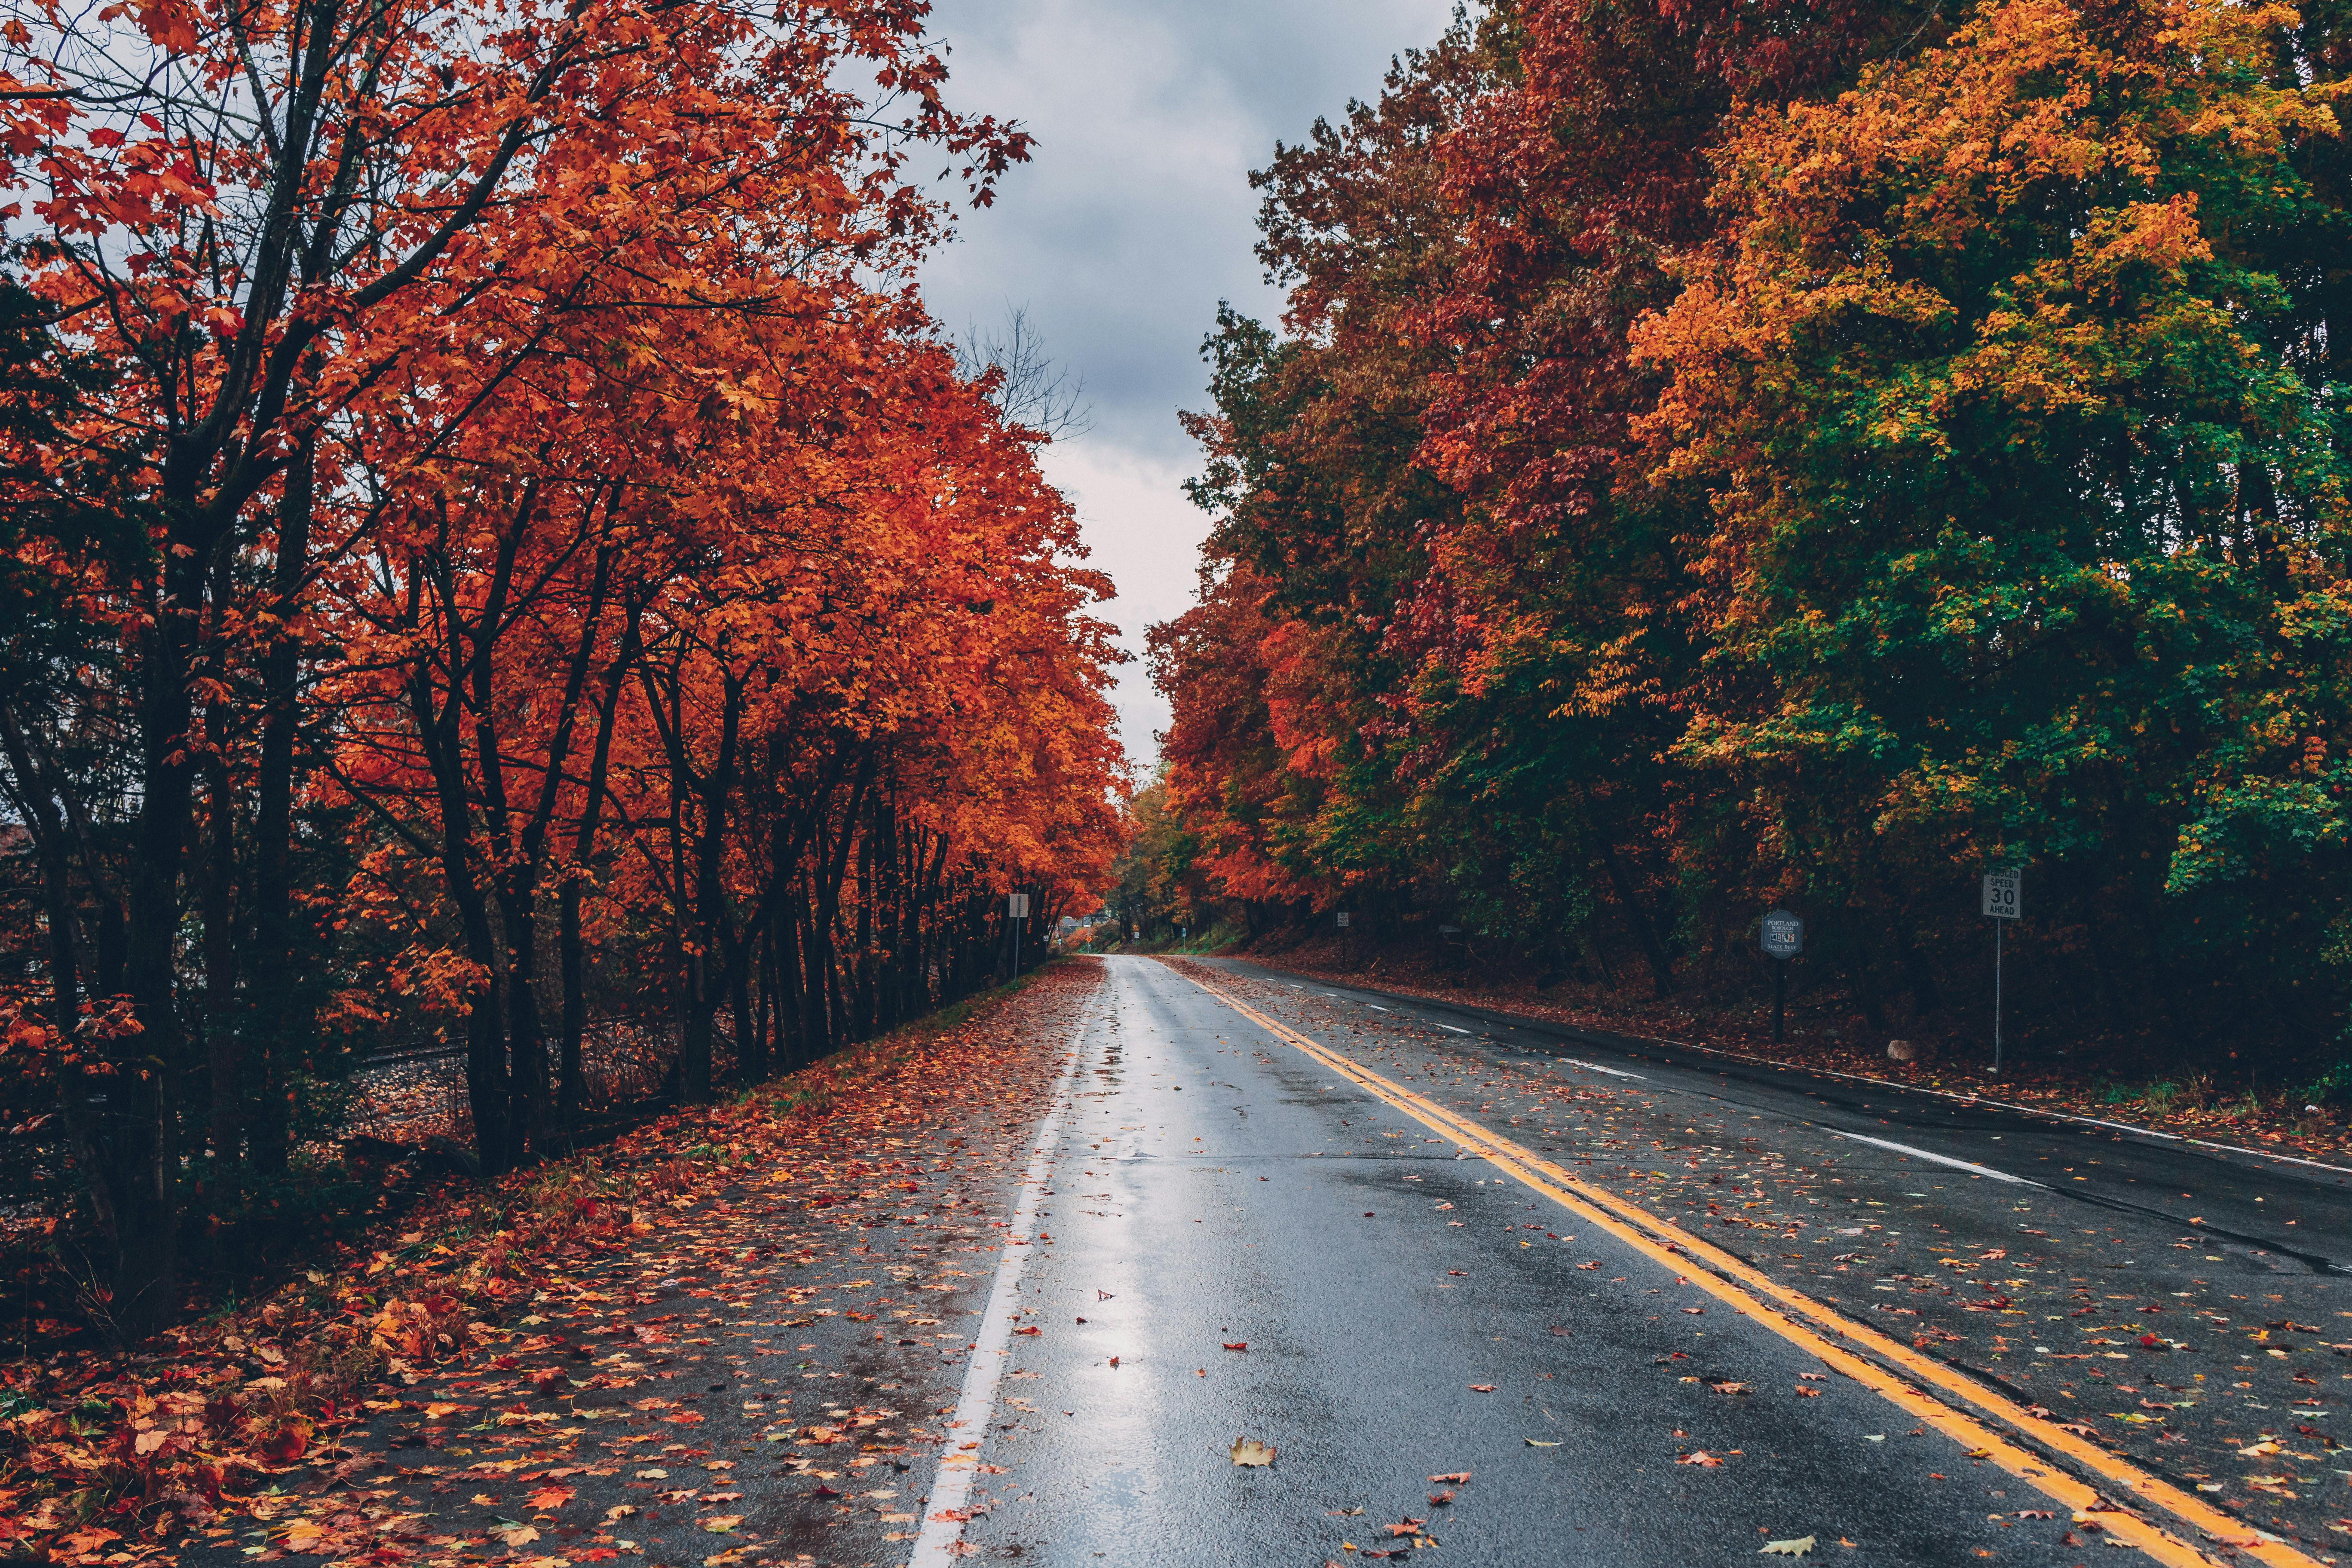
(1134, 219)
(1135, 215)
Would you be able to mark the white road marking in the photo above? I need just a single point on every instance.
(1451, 1027)
(1971, 1166)
(1596, 1066)
(1376, 1007)
(950, 1488)
(1975, 1100)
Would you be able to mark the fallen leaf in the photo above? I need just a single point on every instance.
(548, 1497)
(1439, 1500)
(1456, 1479)
(1796, 1548)
(1700, 1457)
(723, 1523)
(1242, 1346)
(1250, 1451)
(1540, 1443)
(1482, 1388)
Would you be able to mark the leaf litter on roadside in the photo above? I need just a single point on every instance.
(495, 1291)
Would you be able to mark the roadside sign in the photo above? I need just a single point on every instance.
(1343, 919)
(1782, 934)
(2002, 900)
(1017, 906)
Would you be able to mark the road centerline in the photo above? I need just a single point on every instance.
(1746, 1289)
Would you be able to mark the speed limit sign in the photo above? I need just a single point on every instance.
(2001, 902)
(2001, 895)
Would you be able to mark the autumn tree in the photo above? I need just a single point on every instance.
(296, 281)
(2027, 536)
(1717, 455)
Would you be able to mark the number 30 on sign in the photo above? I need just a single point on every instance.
(2001, 895)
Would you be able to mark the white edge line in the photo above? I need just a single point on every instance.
(2042, 1112)
(1968, 1165)
(1596, 1066)
(1376, 1007)
(936, 1543)
(1451, 1027)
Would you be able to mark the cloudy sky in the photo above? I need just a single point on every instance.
(1134, 219)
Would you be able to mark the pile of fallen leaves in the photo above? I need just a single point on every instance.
(2077, 1086)
(106, 1455)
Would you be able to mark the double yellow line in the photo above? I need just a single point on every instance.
(1788, 1312)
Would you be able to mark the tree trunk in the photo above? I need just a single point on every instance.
(137, 1145)
(750, 1058)
(693, 1048)
(278, 1003)
(526, 1038)
(862, 1026)
(583, 845)
(36, 800)
(222, 1037)
(1662, 972)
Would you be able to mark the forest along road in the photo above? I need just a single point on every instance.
(1539, 1309)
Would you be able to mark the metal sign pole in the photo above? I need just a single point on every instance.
(1996, 997)
(1782, 937)
(2003, 903)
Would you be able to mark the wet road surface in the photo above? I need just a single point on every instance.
(1230, 1238)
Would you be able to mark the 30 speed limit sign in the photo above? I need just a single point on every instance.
(2001, 895)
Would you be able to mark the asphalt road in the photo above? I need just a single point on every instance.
(1410, 1312)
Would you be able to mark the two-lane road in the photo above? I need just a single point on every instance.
(1450, 1255)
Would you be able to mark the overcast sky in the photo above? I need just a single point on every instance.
(1133, 220)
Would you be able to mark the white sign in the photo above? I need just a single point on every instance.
(1783, 935)
(2002, 900)
(1017, 906)
(1343, 917)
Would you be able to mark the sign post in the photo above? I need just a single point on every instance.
(1347, 944)
(2002, 903)
(1782, 937)
(1016, 908)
